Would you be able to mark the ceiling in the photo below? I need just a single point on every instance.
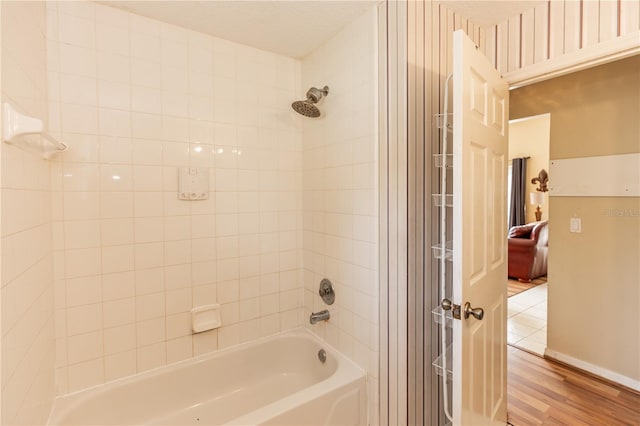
(293, 28)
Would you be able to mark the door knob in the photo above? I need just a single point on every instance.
(448, 305)
(478, 313)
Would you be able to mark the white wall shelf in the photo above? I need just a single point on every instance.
(17, 125)
(603, 176)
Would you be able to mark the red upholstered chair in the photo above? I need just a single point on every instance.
(528, 248)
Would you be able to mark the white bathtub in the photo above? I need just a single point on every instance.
(274, 381)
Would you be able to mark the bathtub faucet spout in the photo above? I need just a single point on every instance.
(319, 316)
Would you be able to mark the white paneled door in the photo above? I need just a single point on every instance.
(480, 117)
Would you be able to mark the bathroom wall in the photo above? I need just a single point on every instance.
(135, 99)
(28, 344)
(340, 194)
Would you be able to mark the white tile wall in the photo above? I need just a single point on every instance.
(135, 99)
(340, 195)
(26, 284)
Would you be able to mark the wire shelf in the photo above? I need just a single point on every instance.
(438, 364)
(448, 251)
(437, 200)
(440, 315)
(443, 160)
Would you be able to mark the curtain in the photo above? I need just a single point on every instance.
(518, 191)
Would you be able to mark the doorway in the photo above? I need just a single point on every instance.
(594, 115)
(527, 303)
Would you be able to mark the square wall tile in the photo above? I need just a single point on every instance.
(179, 349)
(119, 339)
(145, 46)
(113, 95)
(205, 294)
(76, 31)
(85, 374)
(84, 319)
(117, 259)
(118, 285)
(82, 262)
(150, 280)
(150, 331)
(112, 38)
(82, 234)
(178, 301)
(119, 365)
(84, 347)
(179, 325)
(177, 276)
(205, 342)
(76, 89)
(119, 312)
(84, 291)
(150, 306)
(117, 232)
(151, 356)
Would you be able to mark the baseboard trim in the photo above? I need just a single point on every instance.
(608, 375)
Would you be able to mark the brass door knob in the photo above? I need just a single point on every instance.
(446, 304)
(478, 313)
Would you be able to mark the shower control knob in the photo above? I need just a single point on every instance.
(326, 291)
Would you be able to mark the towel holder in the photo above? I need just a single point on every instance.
(16, 125)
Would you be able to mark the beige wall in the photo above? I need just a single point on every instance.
(594, 295)
(27, 385)
(529, 137)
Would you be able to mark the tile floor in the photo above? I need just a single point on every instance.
(527, 324)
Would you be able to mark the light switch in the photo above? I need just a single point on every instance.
(575, 225)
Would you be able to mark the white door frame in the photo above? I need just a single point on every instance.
(588, 57)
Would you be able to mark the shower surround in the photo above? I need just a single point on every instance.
(135, 99)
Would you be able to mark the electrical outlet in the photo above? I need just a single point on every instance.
(575, 225)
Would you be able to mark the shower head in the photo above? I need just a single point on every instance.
(307, 107)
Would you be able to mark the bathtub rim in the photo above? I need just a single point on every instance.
(347, 371)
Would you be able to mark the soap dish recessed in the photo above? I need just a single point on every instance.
(204, 318)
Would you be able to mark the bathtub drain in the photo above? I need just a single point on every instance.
(322, 355)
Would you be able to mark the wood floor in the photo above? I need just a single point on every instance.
(542, 392)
